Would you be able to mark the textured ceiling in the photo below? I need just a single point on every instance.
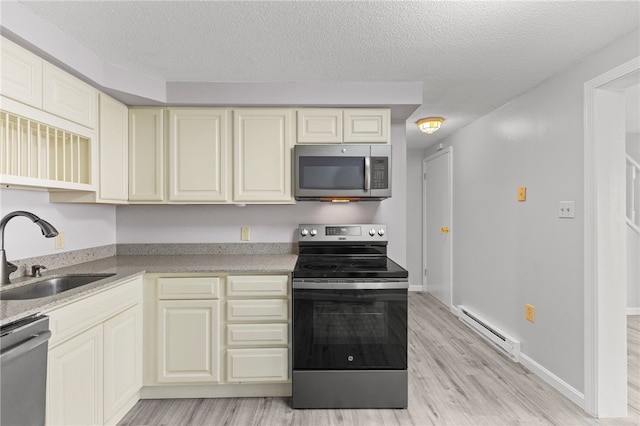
(471, 56)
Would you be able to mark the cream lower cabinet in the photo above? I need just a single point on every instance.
(188, 330)
(75, 380)
(216, 335)
(95, 357)
(188, 342)
(257, 328)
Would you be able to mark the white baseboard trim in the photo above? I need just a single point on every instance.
(415, 287)
(633, 311)
(554, 381)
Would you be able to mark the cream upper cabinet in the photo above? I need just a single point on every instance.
(336, 125)
(68, 97)
(262, 141)
(114, 150)
(199, 142)
(319, 125)
(364, 125)
(20, 74)
(146, 154)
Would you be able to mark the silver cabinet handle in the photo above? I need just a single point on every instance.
(367, 173)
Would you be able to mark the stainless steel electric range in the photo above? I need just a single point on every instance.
(349, 320)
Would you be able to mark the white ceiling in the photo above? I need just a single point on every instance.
(471, 56)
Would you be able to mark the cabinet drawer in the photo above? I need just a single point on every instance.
(189, 288)
(72, 319)
(257, 285)
(257, 365)
(257, 310)
(256, 334)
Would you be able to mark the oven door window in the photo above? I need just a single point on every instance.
(331, 172)
(350, 329)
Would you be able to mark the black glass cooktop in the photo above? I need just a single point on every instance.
(347, 267)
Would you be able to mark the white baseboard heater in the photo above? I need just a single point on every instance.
(505, 343)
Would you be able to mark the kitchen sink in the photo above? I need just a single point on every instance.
(51, 286)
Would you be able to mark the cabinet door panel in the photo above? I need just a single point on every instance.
(262, 142)
(188, 341)
(319, 125)
(257, 365)
(75, 380)
(68, 97)
(123, 360)
(20, 74)
(366, 125)
(198, 143)
(114, 150)
(146, 154)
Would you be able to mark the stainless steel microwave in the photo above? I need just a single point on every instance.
(342, 172)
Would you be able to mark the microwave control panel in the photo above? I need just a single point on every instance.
(379, 172)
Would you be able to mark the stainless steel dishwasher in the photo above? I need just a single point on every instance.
(23, 371)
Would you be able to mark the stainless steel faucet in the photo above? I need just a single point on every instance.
(6, 268)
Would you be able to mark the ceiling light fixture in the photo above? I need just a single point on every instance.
(429, 125)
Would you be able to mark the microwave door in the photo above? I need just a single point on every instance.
(332, 171)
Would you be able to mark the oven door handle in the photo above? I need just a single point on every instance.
(310, 285)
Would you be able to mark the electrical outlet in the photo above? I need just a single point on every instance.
(522, 193)
(244, 233)
(567, 209)
(530, 313)
(59, 240)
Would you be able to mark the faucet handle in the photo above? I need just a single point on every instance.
(35, 270)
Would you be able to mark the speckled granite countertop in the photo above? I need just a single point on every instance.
(126, 267)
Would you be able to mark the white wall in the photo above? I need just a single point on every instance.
(269, 223)
(506, 253)
(84, 226)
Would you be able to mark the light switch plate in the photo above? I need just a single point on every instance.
(522, 193)
(567, 209)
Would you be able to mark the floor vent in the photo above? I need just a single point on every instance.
(502, 341)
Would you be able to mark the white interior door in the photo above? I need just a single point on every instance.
(437, 185)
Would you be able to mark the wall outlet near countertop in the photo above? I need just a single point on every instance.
(59, 240)
(245, 233)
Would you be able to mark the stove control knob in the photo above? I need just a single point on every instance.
(372, 232)
(304, 232)
(381, 232)
(313, 232)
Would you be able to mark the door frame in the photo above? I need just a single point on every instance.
(449, 152)
(603, 395)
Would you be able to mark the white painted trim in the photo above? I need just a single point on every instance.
(554, 381)
(446, 151)
(417, 288)
(591, 285)
(633, 311)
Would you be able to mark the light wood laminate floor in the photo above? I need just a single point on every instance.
(455, 378)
